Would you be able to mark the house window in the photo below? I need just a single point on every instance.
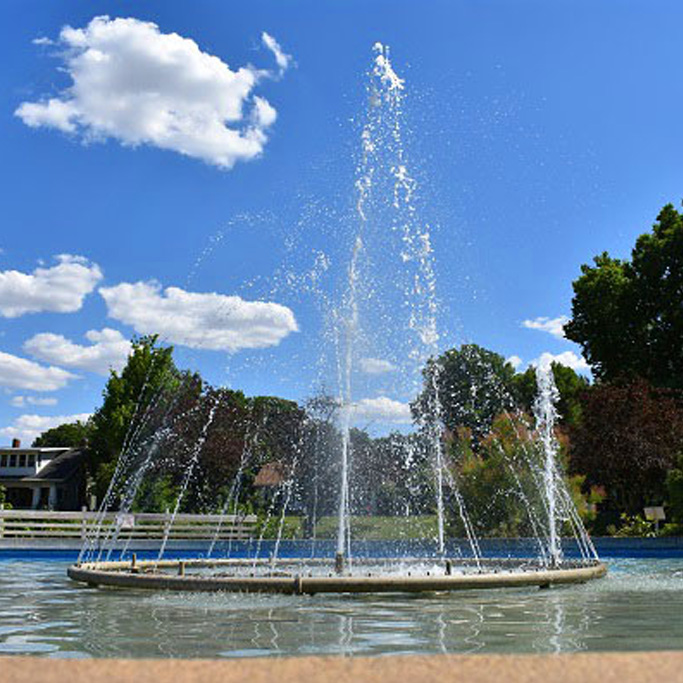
(31, 460)
(13, 460)
(22, 460)
(3, 460)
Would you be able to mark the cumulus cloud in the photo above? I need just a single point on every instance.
(199, 320)
(60, 289)
(28, 427)
(108, 350)
(20, 373)
(22, 401)
(515, 361)
(139, 86)
(283, 60)
(375, 366)
(382, 409)
(550, 325)
(567, 358)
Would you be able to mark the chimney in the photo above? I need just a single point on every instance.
(16, 443)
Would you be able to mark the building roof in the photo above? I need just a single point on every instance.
(62, 467)
(271, 474)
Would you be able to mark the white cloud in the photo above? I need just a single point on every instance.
(199, 320)
(376, 366)
(60, 289)
(515, 361)
(383, 410)
(28, 427)
(283, 60)
(567, 358)
(109, 350)
(139, 86)
(22, 401)
(20, 373)
(550, 325)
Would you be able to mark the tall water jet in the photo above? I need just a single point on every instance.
(383, 91)
(350, 329)
(545, 412)
(389, 227)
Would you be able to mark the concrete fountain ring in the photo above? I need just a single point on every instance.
(311, 576)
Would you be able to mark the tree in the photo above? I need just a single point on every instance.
(72, 434)
(473, 385)
(196, 442)
(628, 315)
(570, 385)
(674, 490)
(391, 475)
(133, 405)
(629, 437)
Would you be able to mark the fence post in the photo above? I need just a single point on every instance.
(84, 523)
(167, 524)
(2, 520)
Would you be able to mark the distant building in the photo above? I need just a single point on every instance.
(271, 475)
(43, 478)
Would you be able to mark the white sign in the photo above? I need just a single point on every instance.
(125, 521)
(654, 514)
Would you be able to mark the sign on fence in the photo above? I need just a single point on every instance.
(125, 521)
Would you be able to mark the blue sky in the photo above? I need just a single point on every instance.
(540, 134)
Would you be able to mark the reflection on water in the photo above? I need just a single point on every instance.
(638, 606)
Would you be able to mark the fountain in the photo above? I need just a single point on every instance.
(393, 323)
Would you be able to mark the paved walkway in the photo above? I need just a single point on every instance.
(645, 667)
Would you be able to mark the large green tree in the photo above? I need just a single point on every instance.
(73, 434)
(628, 314)
(569, 384)
(133, 401)
(473, 385)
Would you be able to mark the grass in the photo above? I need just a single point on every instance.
(370, 528)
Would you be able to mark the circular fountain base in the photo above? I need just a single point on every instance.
(309, 576)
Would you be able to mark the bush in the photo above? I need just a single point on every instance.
(633, 526)
(674, 490)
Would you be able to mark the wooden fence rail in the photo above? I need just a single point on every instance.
(138, 526)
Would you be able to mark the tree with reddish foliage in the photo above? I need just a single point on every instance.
(628, 439)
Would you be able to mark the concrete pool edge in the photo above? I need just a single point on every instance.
(657, 667)
(131, 575)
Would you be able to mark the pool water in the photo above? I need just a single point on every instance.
(638, 606)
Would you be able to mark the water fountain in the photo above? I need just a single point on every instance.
(362, 327)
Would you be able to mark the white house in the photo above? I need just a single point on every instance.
(42, 478)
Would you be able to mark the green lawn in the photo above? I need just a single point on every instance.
(366, 527)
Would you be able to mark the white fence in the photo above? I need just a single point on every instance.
(37, 524)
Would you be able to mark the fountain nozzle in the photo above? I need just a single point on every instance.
(339, 563)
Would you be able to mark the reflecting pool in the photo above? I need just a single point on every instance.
(637, 607)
